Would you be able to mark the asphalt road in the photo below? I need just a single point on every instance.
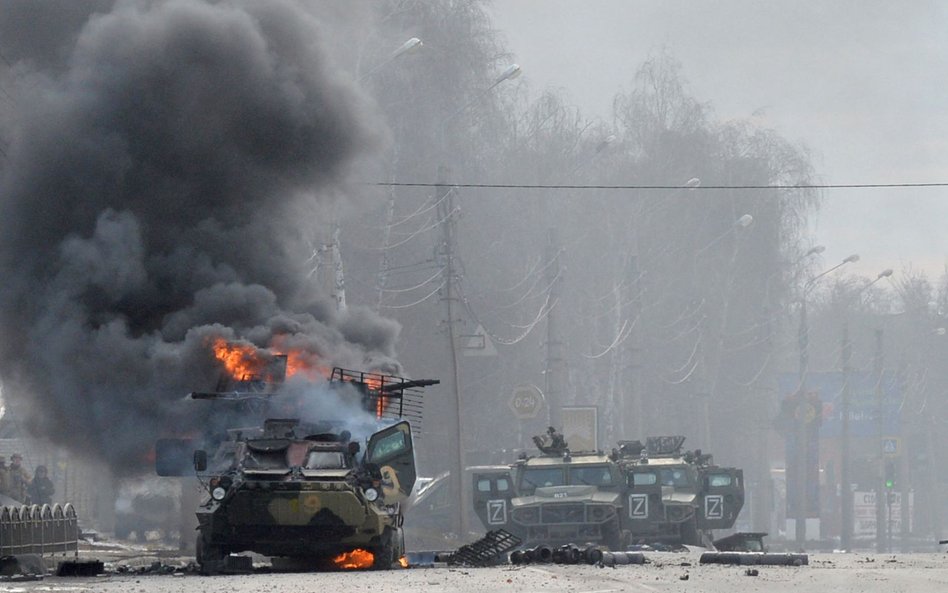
(826, 573)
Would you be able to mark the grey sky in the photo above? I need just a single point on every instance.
(861, 83)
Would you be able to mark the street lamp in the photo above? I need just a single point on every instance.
(801, 491)
(846, 495)
(794, 267)
(741, 223)
(446, 211)
(604, 144)
(643, 210)
(510, 72)
(338, 282)
(600, 147)
(409, 46)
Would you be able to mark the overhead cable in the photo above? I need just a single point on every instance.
(663, 187)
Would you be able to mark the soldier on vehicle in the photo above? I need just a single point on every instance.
(19, 479)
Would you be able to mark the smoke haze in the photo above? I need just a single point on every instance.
(161, 173)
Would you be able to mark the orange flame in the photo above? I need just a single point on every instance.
(300, 361)
(355, 559)
(375, 384)
(246, 361)
(403, 562)
(242, 361)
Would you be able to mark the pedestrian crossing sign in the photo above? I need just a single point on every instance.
(891, 446)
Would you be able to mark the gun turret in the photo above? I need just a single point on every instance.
(551, 443)
(390, 387)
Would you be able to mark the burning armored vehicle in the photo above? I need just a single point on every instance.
(296, 491)
(637, 494)
(303, 489)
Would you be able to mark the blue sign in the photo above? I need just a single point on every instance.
(891, 447)
(864, 405)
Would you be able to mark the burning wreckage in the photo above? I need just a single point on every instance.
(285, 484)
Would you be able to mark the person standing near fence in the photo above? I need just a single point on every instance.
(41, 489)
(19, 479)
(4, 477)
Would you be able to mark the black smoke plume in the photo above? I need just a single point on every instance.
(158, 185)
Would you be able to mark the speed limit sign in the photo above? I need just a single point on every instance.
(526, 401)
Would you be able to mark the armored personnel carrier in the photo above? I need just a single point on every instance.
(636, 494)
(291, 490)
(302, 489)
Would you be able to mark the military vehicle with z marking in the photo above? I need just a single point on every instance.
(637, 494)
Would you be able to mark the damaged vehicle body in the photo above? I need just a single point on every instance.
(305, 490)
(297, 492)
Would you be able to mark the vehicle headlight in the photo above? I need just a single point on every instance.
(218, 493)
(371, 494)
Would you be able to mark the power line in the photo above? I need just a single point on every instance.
(662, 187)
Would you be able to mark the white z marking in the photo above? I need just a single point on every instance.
(638, 506)
(497, 512)
(714, 507)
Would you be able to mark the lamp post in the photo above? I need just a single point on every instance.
(762, 501)
(409, 46)
(554, 366)
(510, 72)
(601, 146)
(444, 197)
(337, 282)
(741, 223)
(846, 494)
(801, 504)
(634, 414)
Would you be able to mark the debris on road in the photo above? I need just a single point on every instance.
(490, 549)
(743, 558)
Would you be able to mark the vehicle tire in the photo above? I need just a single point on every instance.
(210, 558)
(690, 535)
(386, 550)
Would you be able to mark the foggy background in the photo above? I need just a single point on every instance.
(856, 81)
(268, 145)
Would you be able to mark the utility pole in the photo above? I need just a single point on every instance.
(338, 277)
(554, 375)
(445, 200)
(881, 493)
(846, 494)
(444, 197)
(636, 352)
(805, 412)
(800, 488)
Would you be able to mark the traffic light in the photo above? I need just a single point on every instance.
(890, 474)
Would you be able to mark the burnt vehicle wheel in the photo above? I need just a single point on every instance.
(210, 558)
(387, 552)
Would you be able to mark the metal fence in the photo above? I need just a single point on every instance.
(39, 530)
